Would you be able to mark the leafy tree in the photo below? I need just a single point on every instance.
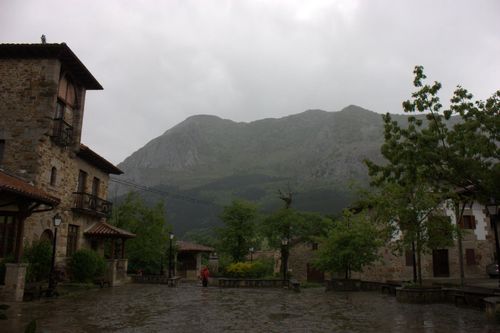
(447, 158)
(351, 243)
(291, 224)
(203, 236)
(287, 224)
(239, 230)
(39, 258)
(145, 252)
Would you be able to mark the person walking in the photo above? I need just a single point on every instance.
(204, 274)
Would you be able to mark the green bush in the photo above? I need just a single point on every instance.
(256, 269)
(39, 258)
(86, 265)
(6, 260)
(263, 267)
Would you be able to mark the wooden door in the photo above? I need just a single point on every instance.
(314, 275)
(440, 263)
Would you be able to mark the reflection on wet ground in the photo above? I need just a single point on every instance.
(191, 308)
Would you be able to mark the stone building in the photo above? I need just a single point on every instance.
(189, 259)
(437, 265)
(300, 263)
(443, 264)
(42, 97)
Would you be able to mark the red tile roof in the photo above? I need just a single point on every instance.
(22, 188)
(105, 230)
(52, 51)
(193, 247)
(97, 160)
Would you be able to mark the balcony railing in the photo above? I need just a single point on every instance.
(90, 204)
(63, 132)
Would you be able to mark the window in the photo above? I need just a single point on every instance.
(72, 240)
(7, 235)
(467, 222)
(82, 180)
(2, 150)
(314, 246)
(53, 176)
(95, 186)
(409, 258)
(470, 257)
(64, 115)
(66, 95)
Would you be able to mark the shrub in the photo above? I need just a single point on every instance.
(85, 265)
(263, 267)
(255, 269)
(8, 259)
(239, 269)
(39, 258)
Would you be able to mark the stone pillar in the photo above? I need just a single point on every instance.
(213, 262)
(111, 271)
(198, 263)
(121, 270)
(15, 275)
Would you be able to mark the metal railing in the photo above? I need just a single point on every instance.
(63, 132)
(92, 204)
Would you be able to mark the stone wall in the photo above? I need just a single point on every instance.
(300, 255)
(28, 94)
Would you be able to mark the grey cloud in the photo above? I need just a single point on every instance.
(162, 61)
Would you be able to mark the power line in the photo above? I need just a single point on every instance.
(161, 192)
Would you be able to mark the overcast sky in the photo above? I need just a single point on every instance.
(163, 61)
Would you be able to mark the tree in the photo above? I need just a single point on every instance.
(239, 230)
(351, 243)
(408, 212)
(286, 225)
(448, 156)
(145, 252)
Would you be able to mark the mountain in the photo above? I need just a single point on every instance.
(206, 161)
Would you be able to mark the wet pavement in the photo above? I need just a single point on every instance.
(191, 308)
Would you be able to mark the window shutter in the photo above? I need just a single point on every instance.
(409, 258)
(470, 257)
(473, 222)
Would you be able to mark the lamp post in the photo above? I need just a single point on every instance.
(251, 254)
(56, 220)
(492, 208)
(284, 257)
(170, 261)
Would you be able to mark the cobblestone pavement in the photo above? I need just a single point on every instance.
(191, 308)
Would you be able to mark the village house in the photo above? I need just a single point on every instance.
(46, 173)
(478, 245)
(189, 258)
(437, 265)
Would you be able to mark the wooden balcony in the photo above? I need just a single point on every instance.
(63, 133)
(90, 204)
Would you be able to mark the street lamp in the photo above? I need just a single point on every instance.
(56, 220)
(284, 257)
(170, 260)
(251, 254)
(492, 208)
